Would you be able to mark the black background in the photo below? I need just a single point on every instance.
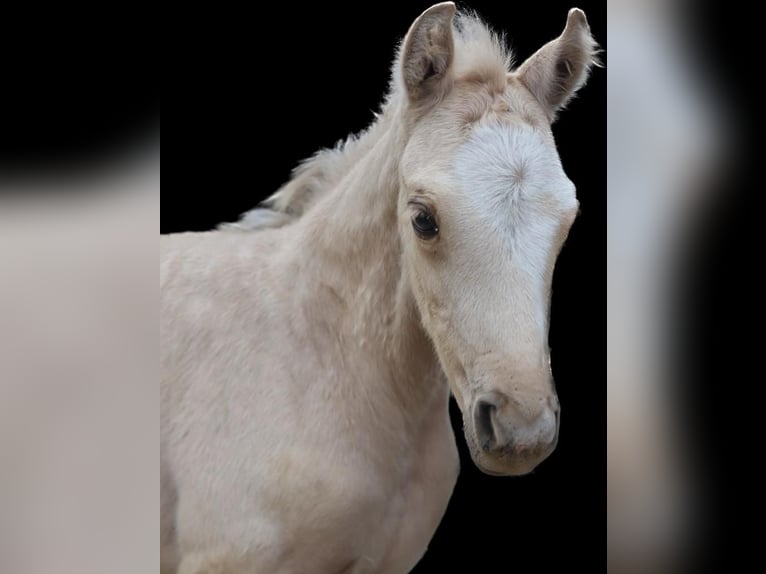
(320, 78)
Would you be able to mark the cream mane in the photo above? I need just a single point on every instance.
(480, 55)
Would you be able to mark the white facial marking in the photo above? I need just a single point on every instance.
(514, 182)
(501, 165)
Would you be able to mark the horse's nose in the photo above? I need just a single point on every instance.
(506, 427)
(484, 423)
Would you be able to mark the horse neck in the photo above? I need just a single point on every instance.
(350, 255)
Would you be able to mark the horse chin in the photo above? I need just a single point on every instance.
(496, 466)
(504, 463)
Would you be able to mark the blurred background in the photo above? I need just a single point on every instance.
(79, 210)
(654, 143)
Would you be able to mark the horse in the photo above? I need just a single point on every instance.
(309, 350)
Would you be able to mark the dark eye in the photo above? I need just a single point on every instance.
(424, 225)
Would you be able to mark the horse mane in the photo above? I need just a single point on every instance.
(481, 55)
(309, 181)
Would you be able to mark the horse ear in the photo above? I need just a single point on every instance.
(557, 70)
(427, 52)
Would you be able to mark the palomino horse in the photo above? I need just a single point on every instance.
(308, 352)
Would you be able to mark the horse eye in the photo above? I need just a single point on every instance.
(424, 225)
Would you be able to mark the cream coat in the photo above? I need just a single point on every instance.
(308, 351)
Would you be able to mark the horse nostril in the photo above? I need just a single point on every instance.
(482, 420)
